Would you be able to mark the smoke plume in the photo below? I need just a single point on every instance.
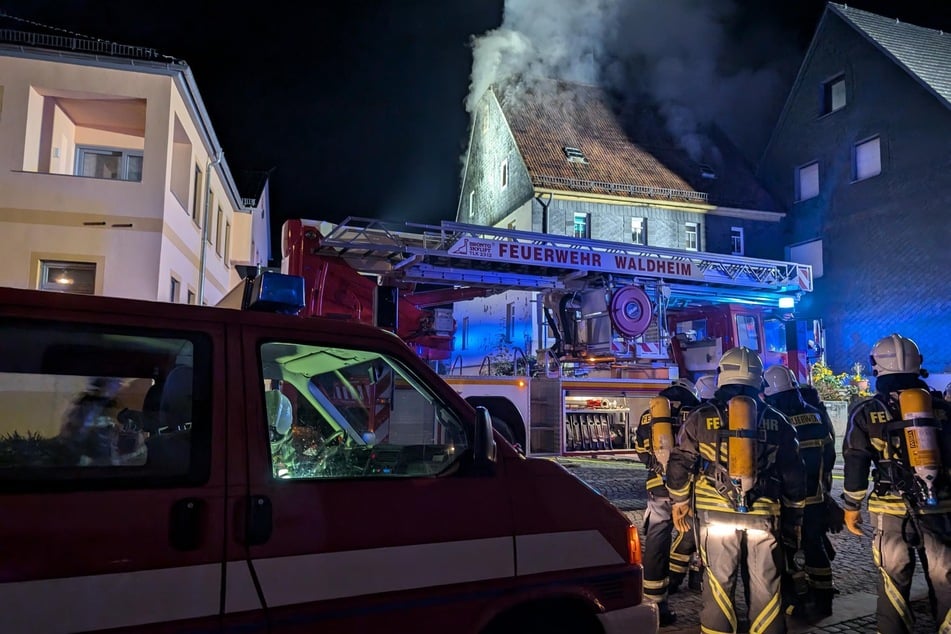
(699, 61)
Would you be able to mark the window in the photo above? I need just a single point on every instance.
(92, 403)
(67, 277)
(218, 222)
(746, 332)
(833, 94)
(690, 237)
(355, 414)
(574, 155)
(639, 230)
(465, 333)
(174, 290)
(196, 195)
(807, 182)
(867, 159)
(227, 244)
(509, 322)
(472, 211)
(124, 165)
(582, 225)
(736, 239)
(504, 175)
(191, 296)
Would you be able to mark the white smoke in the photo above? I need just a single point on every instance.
(682, 53)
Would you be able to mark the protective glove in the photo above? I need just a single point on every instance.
(680, 512)
(835, 521)
(792, 536)
(853, 519)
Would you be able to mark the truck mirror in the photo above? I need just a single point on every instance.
(484, 444)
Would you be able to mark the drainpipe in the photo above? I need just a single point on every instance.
(544, 205)
(205, 229)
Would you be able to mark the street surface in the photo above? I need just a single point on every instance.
(621, 480)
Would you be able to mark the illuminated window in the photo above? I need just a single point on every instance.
(639, 230)
(582, 225)
(807, 181)
(691, 242)
(867, 159)
(736, 239)
(67, 277)
(509, 322)
(833, 94)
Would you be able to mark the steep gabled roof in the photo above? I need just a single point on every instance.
(625, 149)
(923, 53)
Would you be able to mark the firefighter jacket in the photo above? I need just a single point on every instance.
(680, 405)
(866, 444)
(816, 441)
(700, 458)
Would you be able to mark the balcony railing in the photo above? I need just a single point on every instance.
(78, 44)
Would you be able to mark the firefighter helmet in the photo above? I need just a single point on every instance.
(778, 379)
(895, 354)
(740, 366)
(706, 386)
(686, 384)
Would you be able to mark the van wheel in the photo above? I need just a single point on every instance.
(551, 616)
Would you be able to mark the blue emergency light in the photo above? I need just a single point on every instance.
(276, 293)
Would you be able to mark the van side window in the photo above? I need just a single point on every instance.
(83, 404)
(353, 414)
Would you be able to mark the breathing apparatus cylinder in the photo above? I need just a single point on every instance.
(662, 430)
(741, 450)
(920, 447)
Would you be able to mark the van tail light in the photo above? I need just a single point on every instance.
(633, 545)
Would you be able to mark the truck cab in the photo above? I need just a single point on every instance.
(167, 467)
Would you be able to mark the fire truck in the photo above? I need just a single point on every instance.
(564, 340)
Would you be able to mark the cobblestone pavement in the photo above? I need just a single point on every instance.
(621, 480)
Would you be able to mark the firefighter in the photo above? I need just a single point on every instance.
(738, 458)
(903, 431)
(666, 559)
(817, 449)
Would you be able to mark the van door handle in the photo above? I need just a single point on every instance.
(184, 530)
(260, 520)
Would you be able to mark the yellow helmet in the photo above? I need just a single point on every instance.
(895, 354)
(778, 379)
(740, 366)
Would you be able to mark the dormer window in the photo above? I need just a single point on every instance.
(574, 155)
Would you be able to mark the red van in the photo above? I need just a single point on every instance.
(181, 468)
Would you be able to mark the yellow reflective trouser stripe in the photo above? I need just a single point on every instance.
(808, 444)
(681, 492)
(679, 556)
(945, 627)
(722, 599)
(710, 500)
(818, 571)
(710, 630)
(762, 622)
(655, 585)
(856, 496)
(894, 596)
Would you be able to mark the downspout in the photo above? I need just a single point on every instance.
(204, 228)
(544, 205)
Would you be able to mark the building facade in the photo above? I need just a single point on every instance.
(113, 181)
(859, 158)
(566, 159)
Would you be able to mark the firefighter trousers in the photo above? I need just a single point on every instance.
(721, 547)
(895, 560)
(666, 558)
(818, 567)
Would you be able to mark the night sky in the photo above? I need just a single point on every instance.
(359, 108)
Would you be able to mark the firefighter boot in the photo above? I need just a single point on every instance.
(667, 616)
